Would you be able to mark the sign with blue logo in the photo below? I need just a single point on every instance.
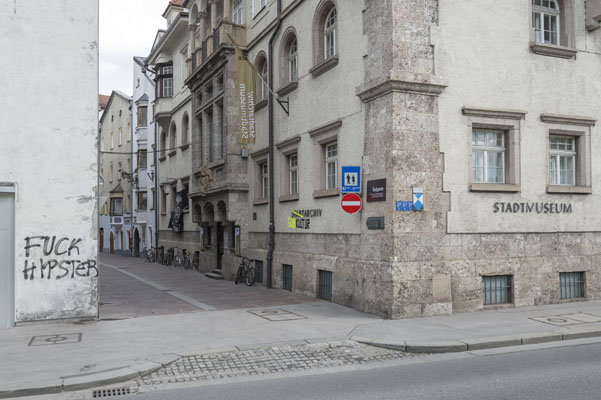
(351, 180)
(404, 205)
(418, 198)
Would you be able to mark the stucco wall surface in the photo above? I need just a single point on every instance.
(491, 66)
(48, 140)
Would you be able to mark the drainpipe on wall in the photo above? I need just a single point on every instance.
(156, 189)
(131, 172)
(270, 162)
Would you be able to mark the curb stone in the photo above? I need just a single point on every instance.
(479, 343)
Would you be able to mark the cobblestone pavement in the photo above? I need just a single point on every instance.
(271, 360)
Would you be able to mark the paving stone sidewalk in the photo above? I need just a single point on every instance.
(269, 360)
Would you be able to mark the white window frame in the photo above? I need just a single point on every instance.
(539, 13)
(329, 32)
(264, 170)
(293, 173)
(486, 150)
(331, 160)
(293, 61)
(237, 11)
(168, 89)
(557, 155)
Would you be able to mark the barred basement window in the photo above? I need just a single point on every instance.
(571, 285)
(497, 289)
(259, 271)
(287, 277)
(325, 285)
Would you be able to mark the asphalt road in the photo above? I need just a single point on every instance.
(572, 372)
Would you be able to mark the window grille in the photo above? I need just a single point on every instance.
(259, 271)
(497, 289)
(325, 285)
(571, 285)
(287, 277)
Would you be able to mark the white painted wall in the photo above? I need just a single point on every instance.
(488, 64)
(48, 138)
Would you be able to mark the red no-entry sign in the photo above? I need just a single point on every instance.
(351, 203)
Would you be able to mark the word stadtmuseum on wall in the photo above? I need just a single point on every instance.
(525, 208)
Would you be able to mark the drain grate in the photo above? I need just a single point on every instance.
(111, 392)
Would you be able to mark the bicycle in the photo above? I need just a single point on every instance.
(195, 261)
(246, 273)
(149, 254)
(160, 255)
(180, 259)
(169, 256)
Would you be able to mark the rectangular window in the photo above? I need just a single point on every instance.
(142, 200)
(142, 158)
(163, 202)
(545, 21)
(325, 285)
(120, 136)
(562, 160)
(259, 271)
(117, 206)
(173, 197)
(112, 140)
(293, 173)
(264, 180)
(120, 170)
(571, 285)
(167, 87)
(497, 289)
(287, 277)
(208, 234)
(331, 161)
(142, 116)
(237, 12)
(488, 156)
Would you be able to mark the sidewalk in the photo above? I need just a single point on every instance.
(92, 354)
(485, 329)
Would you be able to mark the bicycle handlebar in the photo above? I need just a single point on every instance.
(246, 258)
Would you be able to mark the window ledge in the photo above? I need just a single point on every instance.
(172, 153)
(260, 104)
(552, 50)
(569, 189)
(494, 187)
(287, 88)
(260, 202)
(326, 193)
(185, 146)
(164, 214)
(288, 197)
(162, 158)
(324, 66)
(215, 164)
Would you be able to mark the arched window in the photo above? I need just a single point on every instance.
(329, 34)
(293, 61)
(163, 142)
(545, 21)
(325, 37)
(261, 67)
(172, 138)
(185, 129)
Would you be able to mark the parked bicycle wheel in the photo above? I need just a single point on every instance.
(240, 274)
(250, 276)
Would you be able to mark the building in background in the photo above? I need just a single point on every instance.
(172, 112)
(115, 176)
(48, 161)
(143, 145)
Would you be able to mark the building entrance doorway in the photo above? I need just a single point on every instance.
(136, 243)
(219, 245)
(7, 263)
(101, 240)
(112, 243)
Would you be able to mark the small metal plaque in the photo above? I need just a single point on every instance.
(375, 223)
(62, 338)
(376, 190)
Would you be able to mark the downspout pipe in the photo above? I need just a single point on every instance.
(269, 268)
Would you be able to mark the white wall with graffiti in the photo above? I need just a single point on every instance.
(48, 140)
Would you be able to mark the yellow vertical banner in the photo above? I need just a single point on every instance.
(246, 87)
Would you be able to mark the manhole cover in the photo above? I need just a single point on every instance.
(55, 339)
(276, 315)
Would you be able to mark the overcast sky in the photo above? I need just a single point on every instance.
(127, 29)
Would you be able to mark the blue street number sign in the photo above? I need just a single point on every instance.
(351, 180)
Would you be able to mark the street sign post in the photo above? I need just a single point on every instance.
(351, 203)
(351, 180)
